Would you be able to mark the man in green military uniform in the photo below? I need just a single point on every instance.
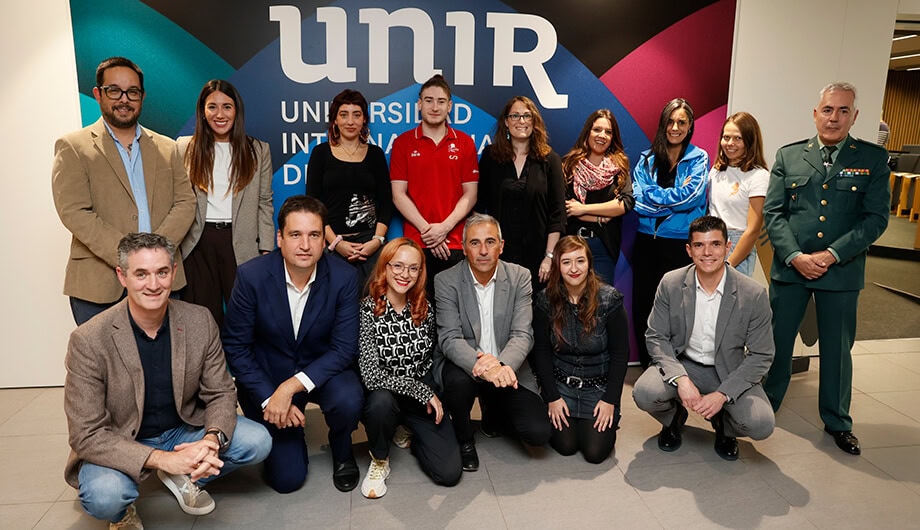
(827, 201)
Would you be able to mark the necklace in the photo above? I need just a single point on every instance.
(353, 152)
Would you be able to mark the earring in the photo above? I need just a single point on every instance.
(507, 135)
(335, 131)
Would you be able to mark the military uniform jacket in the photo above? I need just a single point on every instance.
(808, 209)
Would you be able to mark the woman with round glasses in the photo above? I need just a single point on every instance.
(351, 177)
(737, 187)
(231, 174)
(599, 190)
(670, 186)
(581, 347)
(397, 338)
(521, 185)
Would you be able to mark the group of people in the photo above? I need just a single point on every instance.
(512, 303)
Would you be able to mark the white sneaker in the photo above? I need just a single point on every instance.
(402, 438)
(192, 499)
(375, 485)
(129, 522)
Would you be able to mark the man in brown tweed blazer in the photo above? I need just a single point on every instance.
(147, 389)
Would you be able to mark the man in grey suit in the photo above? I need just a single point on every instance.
(112, 178)
(484, 331)
(147, 389)
(711, 344)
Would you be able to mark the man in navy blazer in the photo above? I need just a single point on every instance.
(291, 337)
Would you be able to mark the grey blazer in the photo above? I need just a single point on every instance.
(104, 386)
(253, 213)
(744, 321)
(458, 320)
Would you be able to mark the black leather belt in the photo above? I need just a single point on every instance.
(585, 232)
(222, 225)
(578, 382)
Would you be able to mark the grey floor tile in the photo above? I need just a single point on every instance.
(42, 415)
(910, 360)
(695, 495)
(33, 468)
(907, 402)
(22, 515)
(902, 463)
(874, 373)
(890, 345)
(469, 504)
(835, 490)
(12, 400)
(792, 435)
(68, 515)
(585, 499)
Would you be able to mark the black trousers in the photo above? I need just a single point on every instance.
(520, 410)
(210, 271)
(652, 258)
(581, 435)
(434, 445)
(435, 265)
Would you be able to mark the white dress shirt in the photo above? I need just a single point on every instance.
(701, 347)
(485, 295)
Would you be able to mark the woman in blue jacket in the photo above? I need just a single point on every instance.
(669, 185)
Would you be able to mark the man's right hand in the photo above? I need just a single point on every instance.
(484, 363)
(501, 376)
(279, 407)
(809, 266)
(196, 459)
(689, 394)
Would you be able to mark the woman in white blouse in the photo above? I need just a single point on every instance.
(737, 187)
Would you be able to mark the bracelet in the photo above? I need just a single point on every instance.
(549, 255)
(382, 239)
(334, 243)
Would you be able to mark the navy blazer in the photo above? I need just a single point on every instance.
(258, 335)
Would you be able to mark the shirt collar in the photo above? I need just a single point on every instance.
(476, 282)
(137, 131)
(290, 282)
(720, 289)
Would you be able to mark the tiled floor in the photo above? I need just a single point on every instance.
(795, 479)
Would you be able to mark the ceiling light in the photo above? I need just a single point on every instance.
(905, 56)
(902, 37)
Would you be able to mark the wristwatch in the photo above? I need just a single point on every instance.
(382, 239)
(222, 439)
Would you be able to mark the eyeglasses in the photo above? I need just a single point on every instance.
(115, 92)
(399, 268)
(520, 117)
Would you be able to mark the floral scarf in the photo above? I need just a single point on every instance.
(588, 177)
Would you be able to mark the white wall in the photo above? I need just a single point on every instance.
(39, 103)
(786, 50)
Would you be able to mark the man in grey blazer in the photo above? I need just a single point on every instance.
(484, 331)
(112, 178)
(711, 344)
(147, 389)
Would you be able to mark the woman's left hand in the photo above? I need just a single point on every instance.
(545, 266)
(603, 412)
(367, 249)
(574, 208)
(434, 405)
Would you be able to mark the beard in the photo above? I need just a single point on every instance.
(113, 119)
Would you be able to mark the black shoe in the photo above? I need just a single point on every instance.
(469, 460)
(846, 441)
(345, 475)
(726, 446)
(489, 431)
(670, 439)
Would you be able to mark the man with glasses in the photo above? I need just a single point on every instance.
(112, 178)
(434, 173)
(484, 319)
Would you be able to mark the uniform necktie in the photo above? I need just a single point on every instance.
(826, 153)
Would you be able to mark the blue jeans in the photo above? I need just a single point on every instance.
(605, 266)
(106, 493)
(746, 267)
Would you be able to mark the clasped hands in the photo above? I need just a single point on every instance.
(490, 369)
(707, 405)
(197, 459)
(280, 411)
(813, 266)
(435, 238)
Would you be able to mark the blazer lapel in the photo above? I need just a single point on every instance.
(813, 156)
(316, 301)
(126, 346)
(688, 293)
(726, 307)
(501, 313)
(178, 344)
(276, 294)
(468, 292)
(148, 154)
(106, 145)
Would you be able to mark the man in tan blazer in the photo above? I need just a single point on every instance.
(112, 178)
(147, 389)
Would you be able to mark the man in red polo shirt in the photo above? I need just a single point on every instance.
(435, 175)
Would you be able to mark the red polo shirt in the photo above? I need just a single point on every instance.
(435, 175)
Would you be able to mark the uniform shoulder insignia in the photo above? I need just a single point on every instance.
(797, 142)
(867, 143)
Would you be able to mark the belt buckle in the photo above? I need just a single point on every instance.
(574, 381)
(585, 232)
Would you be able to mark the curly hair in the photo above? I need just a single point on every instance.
(615, 152)
(377, 284)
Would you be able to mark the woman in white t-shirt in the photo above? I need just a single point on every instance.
(737, 187)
